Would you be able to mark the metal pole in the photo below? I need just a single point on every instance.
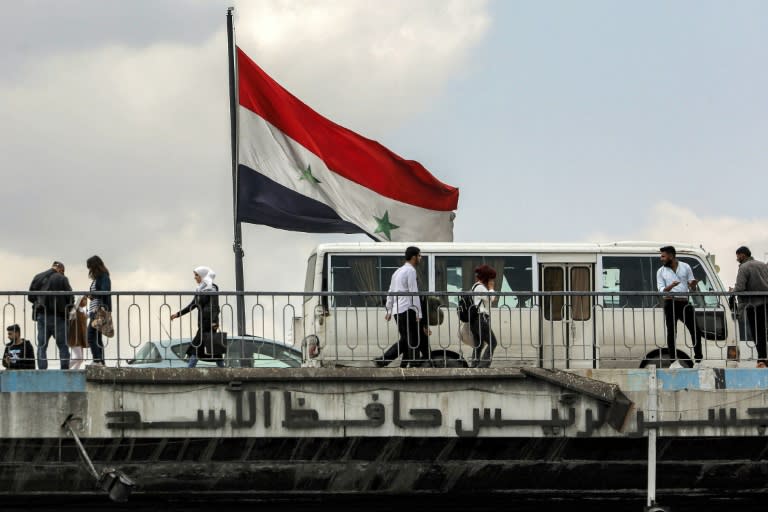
(237, 246)
(117, 331)
(80, 447)
(652, 407)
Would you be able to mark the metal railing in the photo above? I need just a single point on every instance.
(548, 329)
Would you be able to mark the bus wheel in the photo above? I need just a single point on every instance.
(661, 358)
(447, 359)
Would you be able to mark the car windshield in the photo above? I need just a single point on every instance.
(148, 353)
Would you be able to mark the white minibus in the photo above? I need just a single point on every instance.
(539, 318)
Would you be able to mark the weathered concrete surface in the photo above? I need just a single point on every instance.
(374, 430)
(198, 375)
(373, 403)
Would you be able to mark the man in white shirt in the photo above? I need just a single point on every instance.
(675, 276)
(406, 310)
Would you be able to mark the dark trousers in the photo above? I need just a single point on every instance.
(413, 347)
(96, 342)
(47, 326)
(680, 310)
(756, 316)
(481, 331)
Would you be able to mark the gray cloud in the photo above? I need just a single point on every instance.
(117, 143)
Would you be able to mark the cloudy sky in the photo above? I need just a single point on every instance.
(558, 121)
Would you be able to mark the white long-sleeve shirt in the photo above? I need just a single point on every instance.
(404, 280)
(483, 302)
(665, 276)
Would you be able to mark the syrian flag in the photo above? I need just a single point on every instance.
(301, 172)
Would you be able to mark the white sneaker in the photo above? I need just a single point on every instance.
(676, 365)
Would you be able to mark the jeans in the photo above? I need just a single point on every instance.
(680, 310)
(193, 362)
(47, 326)
(481, 331)
(96, 342)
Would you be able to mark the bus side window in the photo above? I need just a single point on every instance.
(513, 274)
(370, 274)
(703, 283)
(630, 274)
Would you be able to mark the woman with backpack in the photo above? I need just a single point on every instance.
(480, 319)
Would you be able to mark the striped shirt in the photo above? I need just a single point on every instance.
(96, 301)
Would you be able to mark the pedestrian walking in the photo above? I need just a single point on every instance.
(77, 328)
(206, 302)
(407, 311)
(100, 282)
(753, 277)
(50, 312)
(480, 323)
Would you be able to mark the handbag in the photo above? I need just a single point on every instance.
(465, 335)
(214, 343)
(102, 322)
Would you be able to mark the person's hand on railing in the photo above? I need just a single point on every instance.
(174, 316)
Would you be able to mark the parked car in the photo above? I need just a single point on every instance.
(243, 352)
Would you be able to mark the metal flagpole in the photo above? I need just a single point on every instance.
(237, 246)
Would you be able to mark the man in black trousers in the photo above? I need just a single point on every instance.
(407, 310)
(753, 277)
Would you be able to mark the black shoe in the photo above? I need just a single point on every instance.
(380, 363)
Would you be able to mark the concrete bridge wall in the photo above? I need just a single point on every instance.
(363, 430)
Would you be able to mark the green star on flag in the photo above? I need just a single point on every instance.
(306, 174)
(385, 227)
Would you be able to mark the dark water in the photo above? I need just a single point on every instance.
(430, 503)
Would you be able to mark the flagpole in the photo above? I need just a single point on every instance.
(237, 246)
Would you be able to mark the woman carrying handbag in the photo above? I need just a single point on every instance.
(206, 302)
(100, 282)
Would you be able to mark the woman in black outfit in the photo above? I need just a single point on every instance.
(207, 306)
(480, 325)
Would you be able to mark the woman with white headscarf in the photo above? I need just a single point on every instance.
(207, 306)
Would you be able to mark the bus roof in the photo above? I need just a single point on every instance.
(496, 247)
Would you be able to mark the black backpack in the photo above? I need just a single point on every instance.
(467, 309)
(41, 283)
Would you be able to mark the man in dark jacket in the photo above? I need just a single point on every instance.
(753, 277)
(51, 311)
(19, 353)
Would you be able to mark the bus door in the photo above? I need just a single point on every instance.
(567, 322)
